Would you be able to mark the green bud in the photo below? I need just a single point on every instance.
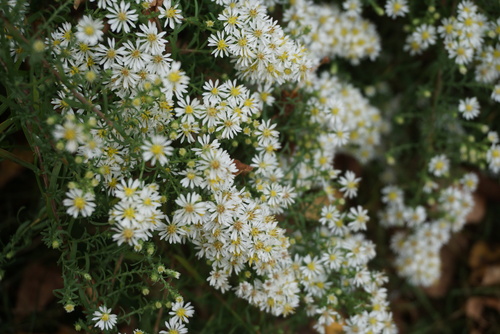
(38, 46)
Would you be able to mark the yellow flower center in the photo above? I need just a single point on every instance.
(79, 203)
(89, 30)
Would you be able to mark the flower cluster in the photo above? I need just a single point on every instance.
(237, 168)
(328, 31)
(261, 51)
(469, 39)
(428, 227)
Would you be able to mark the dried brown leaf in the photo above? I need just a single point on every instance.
(474, 308)
(482, 254)
(243, 169)
(334, 328)
(491, 275)
(77, 3)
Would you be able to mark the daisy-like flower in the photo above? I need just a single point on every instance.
(175, 80)
(181, 311)
(470, 181)
(213, 92)
(312, 267)
(469, 107)
(341, 134)
(121, 17)
(123, 77)
(493, 158)
(395, 8)
(108, 55)
(174, 327)
(352, 7)
(71, 133)
(495, 94)
(191, 209)
(158, 149)
(129, 233)
(462, 52)
(349, 184)
(129, 190)
(171, 14)
(360, 218)
(426, 34)
(188, 110)
(172, 232)
(79, 203)
(105, 320)
(191, 178)
(135, 57)
(221, 42)
(439, 165)
(152, 41)
(89, 30)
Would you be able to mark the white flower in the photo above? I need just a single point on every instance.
(425, 35)
(158, 149)
(89, 31)
(191, 210)
(360, 218)
(79, 203)
(221, 42)
(349, 184)
(495, 94)
(171, 14)
(439, 165)
(175, 80)
(121, 17)
(135, 57)
(105, 320)
(187, 110)
(72, 133)
(181, 311)
(123, 77)
(395, 8)
(469, 108)
(174, 327)
(129, 233)
(152, 41)
(108, 55)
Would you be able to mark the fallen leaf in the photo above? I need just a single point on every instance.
(334, 328)
(243, 169)
(482, 254)
(491, 275)
(77, 3)
(474, 308)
